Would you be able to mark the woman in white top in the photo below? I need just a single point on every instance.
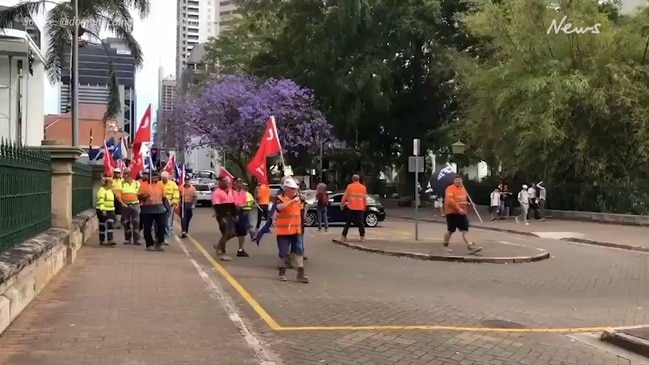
(494, 199)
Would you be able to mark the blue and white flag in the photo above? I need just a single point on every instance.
(98, 154)
(269, 221)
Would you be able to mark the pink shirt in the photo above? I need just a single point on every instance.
(239, 197)
(220, 196)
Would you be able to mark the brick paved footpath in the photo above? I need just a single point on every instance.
(614, 233)
(125, 306)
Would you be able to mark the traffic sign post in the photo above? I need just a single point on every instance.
(417, 165)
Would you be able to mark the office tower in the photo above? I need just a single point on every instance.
(94, 71)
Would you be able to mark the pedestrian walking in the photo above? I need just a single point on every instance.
(130, 209)
(106, 212)
(154, 212)
(241, 221)
(456, 203)
(534, 207)
(542, 199)
(494, 207)
(117, 186)
(225, 214)
(188, 199)
(354, 201)
(263, 200)
(172, 193)
(247, 209)
(289, 229)
(508, 201)
(322, 205)
(524, 201)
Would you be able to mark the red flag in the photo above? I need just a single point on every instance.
(137, 165)
(270, 141)
(225, 173)
(109, 164)
(171, 164)
(143, 134)
(181, 178)
(257, 166)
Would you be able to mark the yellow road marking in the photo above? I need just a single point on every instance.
(272, 323)
(238, 287)
(446, 328)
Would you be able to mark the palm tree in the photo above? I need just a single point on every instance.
(94, 16)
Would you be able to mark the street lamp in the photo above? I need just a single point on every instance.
(458, 148)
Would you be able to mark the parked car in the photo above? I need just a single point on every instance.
(374, 213)
(203, 194)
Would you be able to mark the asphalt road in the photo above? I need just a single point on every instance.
(466, 313)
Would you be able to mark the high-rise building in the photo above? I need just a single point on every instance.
(166, 95)
(226, 10)
(197, 22)
(94, 71)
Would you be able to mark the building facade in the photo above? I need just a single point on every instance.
(94, 61)
(22, 88)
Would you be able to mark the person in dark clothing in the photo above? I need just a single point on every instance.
(154, 212)
(322, 203)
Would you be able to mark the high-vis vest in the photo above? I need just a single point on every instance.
(355, 196)
(250, 202)
(105, 200)
(288, 222)
(129, 192)
(156, 192)
(172, 192)
(263, 194)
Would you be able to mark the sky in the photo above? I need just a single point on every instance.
(157, 37)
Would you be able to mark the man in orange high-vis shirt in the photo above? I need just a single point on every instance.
(188, 199)
(154, 212)
(263, 200)
(288, 228)
(455, 209)
(354, 201)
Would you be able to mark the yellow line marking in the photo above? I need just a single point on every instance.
(446, 328)
(238, 287)
(272, 323)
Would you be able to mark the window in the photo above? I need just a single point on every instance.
(337, 198)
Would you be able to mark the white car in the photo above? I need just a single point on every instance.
(203, 194)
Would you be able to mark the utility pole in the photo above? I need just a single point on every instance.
(74, 81)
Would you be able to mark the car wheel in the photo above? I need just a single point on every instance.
(310, 219)
(371, 220)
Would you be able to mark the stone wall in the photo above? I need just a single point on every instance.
(29, 266)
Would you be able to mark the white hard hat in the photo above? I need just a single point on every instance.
(117, 170)
(524, 186)
(290, 183)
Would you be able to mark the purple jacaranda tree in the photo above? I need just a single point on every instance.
(231, 113)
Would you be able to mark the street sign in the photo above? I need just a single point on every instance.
(415, 147)
(416, 164)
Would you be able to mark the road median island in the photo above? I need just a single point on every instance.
(493, 252)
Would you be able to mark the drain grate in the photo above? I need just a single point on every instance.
(500, 323)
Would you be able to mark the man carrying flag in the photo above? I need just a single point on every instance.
(288, 224)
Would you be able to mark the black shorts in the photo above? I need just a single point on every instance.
(457, 222)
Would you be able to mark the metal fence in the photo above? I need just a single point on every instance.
(25, 193)
(81, 187)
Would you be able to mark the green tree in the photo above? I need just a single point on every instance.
(94, 16)
(551, 103)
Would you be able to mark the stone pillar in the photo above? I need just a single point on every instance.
(62, 159)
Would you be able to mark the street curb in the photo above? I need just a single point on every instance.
(627, 342)
(608, 244)
(522, 233)
(530, 234)
(427, 257)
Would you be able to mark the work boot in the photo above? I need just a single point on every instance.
(282, 274)
(301, 277)
(242, 253)
(183, 235)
